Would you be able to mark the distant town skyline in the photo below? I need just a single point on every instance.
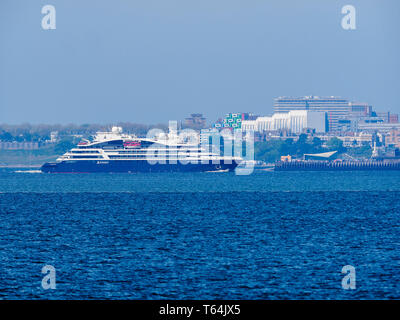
(153, 61)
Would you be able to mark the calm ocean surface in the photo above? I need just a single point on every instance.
(283, 235)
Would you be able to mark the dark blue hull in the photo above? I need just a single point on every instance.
(130, 166)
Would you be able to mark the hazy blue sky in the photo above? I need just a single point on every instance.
(152, 61)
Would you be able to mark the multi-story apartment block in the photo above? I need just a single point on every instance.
(335, 108)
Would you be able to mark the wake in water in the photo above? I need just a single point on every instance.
(224, 170)
(28, 171)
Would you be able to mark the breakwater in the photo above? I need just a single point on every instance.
(304, 165)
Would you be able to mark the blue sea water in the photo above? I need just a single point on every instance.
(270, 235)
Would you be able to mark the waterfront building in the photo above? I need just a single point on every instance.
(393, 118)
(334, 107)
(393, 138)
(383, 115)
(293, 121)
(357, 140)
(353, 123)
(234, 120)
(360, 109)
(378, 126)
(350, 140)
(347, 125)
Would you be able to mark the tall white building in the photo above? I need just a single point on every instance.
(294, 121)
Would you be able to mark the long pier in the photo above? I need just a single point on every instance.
(309, 165)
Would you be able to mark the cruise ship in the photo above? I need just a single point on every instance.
(117, 152)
